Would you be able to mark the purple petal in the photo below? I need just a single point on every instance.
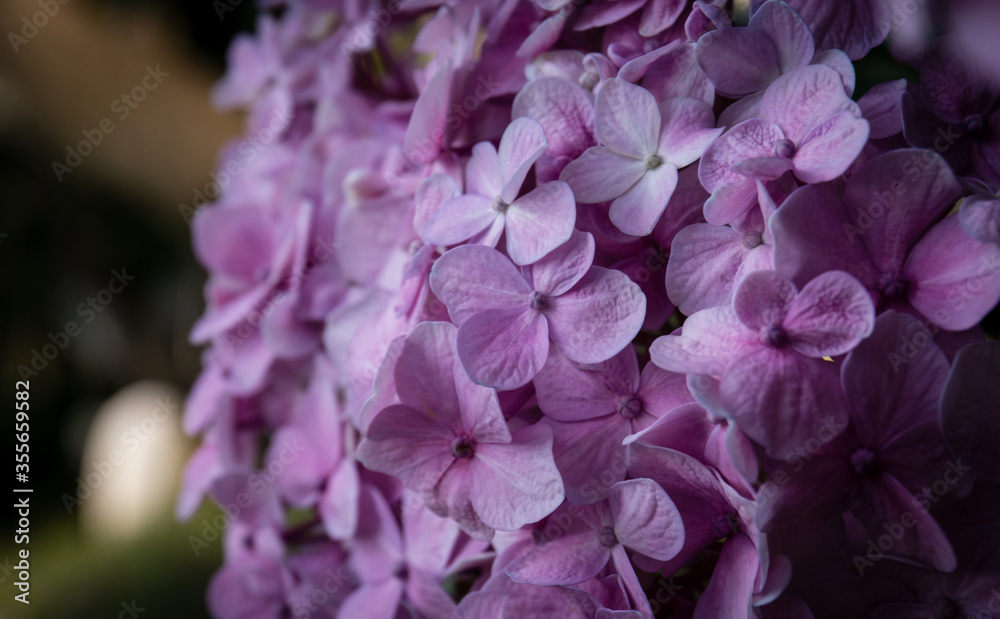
(830, 147)
(702, 267)
(799, 101)
(426, 131)
(954, 279)
(677, 74)
(969, 416)
(539, 222)
(646, 520)
(638, 209)
(763, 299)
(503, 348)
(711, 340)
(590, 455)
(658, 16)
(423, 374)
(516, 484)
(561, 269)
(731, 588)
(567, 560)
(600, 174)
(894, 199)
(409, 445)
(627, 120)
(522, 143)
(830, 316)
(780, 398)
(739, 61)
(688, 129)
(813, 234)
(598, 317)
(473, 278)
(458, 219)
(569, 392)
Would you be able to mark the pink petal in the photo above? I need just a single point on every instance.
(677, 74)
(711, 340)
(572, 558)
(802, 99)
(730, 591)
(701, 271)
(539, 222)
(600, 174)
(518, 483)
(503, 348)
(763, 299)
(458, 219)
(627, 120)
(646, 520)
(831, 315)
(569, 391)
(482, 172)
(590, 456)
(426, 131)
(561, 269)
(407, 444)
(658, 16)
(638, 209)
(890, 218)
(954, 279)
(829, 149)
(472, 278)
(688, 129)
(522, 143)
(598, 317)
(423, 374)
(780, 398)
(565, 111)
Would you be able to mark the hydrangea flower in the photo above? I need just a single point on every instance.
(460, 228)
(507, 318)
(808, 125)
(448, 441)
(642, 147)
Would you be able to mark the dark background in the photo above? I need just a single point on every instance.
(117, 209)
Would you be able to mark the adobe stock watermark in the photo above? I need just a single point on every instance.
(246, 151)
(38, 20)
(122, 106)
(884, 201)
(321, 595)
(130, 609)
(257, 485)
(424, 152)
(88, 310)
(131, 440)
(894, 531)
(325, 247)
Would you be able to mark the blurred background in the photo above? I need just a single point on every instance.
(103, 243)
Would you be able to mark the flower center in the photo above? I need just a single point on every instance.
(891, 286)
(945, 608)
(864, 462)
(784, 148)
(752, 239)
(499, 205)
(975, 125)
(629, 406)
(462, 448)
(653, 162)
(606, 537)
(538, 301)
(774, 336)
(724, 525)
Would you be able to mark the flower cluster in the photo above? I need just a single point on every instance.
(604, 309)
